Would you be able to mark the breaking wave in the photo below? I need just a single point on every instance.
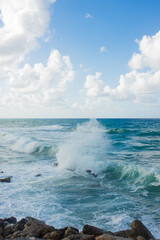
(84, 147)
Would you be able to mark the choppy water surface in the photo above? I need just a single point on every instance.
(123, 183)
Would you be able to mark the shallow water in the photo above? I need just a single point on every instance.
(122, 154)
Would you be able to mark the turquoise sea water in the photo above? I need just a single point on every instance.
(123, 156)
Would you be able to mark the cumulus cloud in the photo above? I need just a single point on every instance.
(39, 85)
(138, 86)
(22, 23)
(149, 55)
(103, 49)
(30, 86)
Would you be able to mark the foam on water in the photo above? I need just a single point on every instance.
(24, 144)
(83, 148)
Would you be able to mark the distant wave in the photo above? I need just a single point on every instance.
(27, 145)
(49, 128)
(20, 143)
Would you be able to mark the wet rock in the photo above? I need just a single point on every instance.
(71, 231)
(2, 224)
(91, 230)
(140, 238)
(34, 228)
(88, 237)
(10, 220)
(52, 235)
(122, 233)
(138, 229)
(47, 230)
(20, 224)
(73, 237)
(16, 234)
(61, 231)
(1, 232)
(8, 230)
(38, 175)
(111, 237)
(7, 179)
(90, 172)
(55, 164)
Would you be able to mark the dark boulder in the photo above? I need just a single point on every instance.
(20, 224)
(71, 231)
(10, 220)
(6, 180)
(34, 228)
(8, 230)
(47, 230)
(111, 237)
(91, 230)
(2, 224)
(52, 235)
(138, 229)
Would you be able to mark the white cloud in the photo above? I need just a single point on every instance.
(39, 85)
(88, 15)
(149, 55)
(94, 85)
(30, 86)
(103, 49)
(23, 22)
(138, 86)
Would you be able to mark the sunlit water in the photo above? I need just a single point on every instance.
(122, 184)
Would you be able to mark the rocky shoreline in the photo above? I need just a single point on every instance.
(32, 229)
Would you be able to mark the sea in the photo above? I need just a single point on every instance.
(72, 172)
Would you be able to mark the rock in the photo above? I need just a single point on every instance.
(140, 238)
(34, 228)
(90, 172)
(52, 235)
(7, 179)
(88, 237)
(73, 237)
(71, 231)
(38, 175)
(8, 230)
(111, 237)
(138, 229)
(55, 164)
(47, 230)
(16, 234)
(122, 233)
(1, 232)
(61, 231)
(20, 224)
(2, 223)
(10, 220)
(90, 230)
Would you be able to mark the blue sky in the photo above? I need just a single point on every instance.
(112, 68)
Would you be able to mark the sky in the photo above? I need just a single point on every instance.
(79, 59)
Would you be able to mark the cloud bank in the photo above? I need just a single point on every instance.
(23, 23)
(141, 84)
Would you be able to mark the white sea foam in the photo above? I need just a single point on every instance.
(25, 145)
(83, 148)
(49, 127)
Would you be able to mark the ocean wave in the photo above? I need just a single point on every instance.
(134, 176)
(30, 146)
(83, 147)
(49, 128)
